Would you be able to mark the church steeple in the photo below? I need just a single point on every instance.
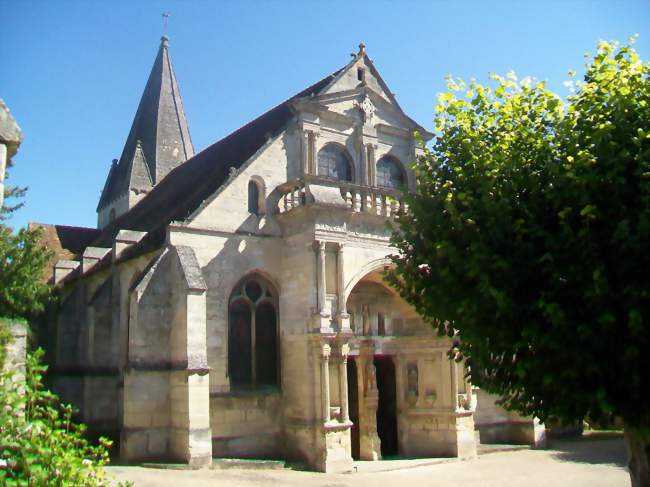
(159, 140)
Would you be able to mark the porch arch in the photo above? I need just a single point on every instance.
(368, 268)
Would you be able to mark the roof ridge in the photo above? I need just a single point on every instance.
(203, 174)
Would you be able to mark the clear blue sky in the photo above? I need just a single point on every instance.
(73, 71)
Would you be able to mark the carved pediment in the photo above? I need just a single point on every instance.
(361, 106)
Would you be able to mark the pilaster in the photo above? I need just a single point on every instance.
(308, 142)
(336, 453)
(369, 442)
(323, 318)
(343, 316)
(370, 148)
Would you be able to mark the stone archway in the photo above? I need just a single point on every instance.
(377, 313)
(410, 396)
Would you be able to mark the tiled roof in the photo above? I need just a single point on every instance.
(159, 137)
(187, 186)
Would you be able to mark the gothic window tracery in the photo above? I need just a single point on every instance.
(252, 335)
(390, 173)
(334, 163)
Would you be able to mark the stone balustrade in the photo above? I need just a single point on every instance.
(383, 202)
(293, 196)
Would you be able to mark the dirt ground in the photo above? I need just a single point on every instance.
(586, 462)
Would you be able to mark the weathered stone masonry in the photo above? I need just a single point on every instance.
(234, 306)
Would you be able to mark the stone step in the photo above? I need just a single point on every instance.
(225, 463)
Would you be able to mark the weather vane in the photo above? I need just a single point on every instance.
(165, 16)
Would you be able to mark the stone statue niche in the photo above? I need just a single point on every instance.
(371, 379)
(412, 391)
(366, 320)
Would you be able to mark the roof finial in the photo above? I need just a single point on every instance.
(362, 49)
(164, 38)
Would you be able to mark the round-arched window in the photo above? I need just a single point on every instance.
(253, 198)
(252, 335)
(390, 173)
(333, 163)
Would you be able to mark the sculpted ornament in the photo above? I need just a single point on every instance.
(412, 383)
(371, 379)
(366, 320)
(366, 109)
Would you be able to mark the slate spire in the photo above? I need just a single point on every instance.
(159, 139)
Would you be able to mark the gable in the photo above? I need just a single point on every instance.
(359, 80)
(360, 72)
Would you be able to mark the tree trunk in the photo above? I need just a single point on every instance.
(638, 450)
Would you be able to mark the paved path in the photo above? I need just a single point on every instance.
(588, 463)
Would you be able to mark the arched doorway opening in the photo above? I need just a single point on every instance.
(387, 405)
(379, 317)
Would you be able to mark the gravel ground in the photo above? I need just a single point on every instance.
(586, 462)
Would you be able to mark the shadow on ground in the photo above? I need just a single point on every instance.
(592, 449)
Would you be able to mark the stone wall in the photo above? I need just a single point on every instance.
(248, 425)
(496, 425)
(166, 384)
(16, 348)
(167, 321)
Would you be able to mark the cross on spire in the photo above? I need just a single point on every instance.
(165, 17)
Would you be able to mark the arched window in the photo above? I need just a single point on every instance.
(390, 173)
(252, 335)
(333, 163)
(253, 198)
(111, 215)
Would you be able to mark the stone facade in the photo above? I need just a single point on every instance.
(258, 325)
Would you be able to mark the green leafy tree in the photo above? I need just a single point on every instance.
(22, 259)
(529, 236)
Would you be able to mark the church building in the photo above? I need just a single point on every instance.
(230, 302)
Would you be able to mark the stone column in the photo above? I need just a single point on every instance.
(343, 383)
(370, 149)
(313, 153)
(322, 284)
(322, 317)
(344, 317)
(454, 384)
(365, 316)
(10, 139)
(304, 142)
(365, 177)
(333, 438)
(325, 381)
(369, 442)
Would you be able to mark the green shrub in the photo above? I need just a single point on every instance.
(39, 442)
